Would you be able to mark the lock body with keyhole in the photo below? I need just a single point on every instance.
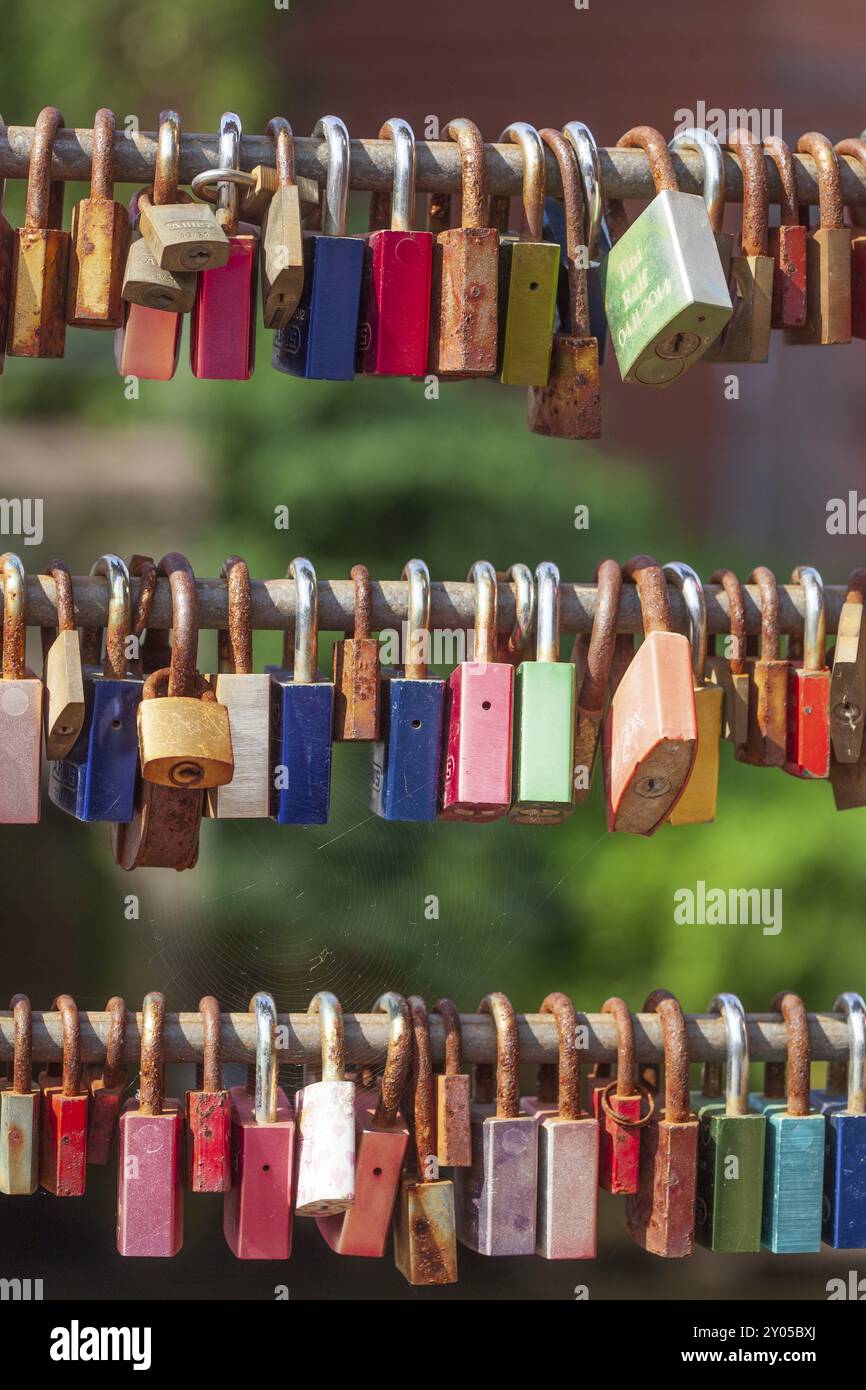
(319, 340)
(96, 780)
(407, 757)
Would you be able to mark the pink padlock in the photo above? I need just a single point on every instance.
(20, 707)
(381, 1137)
(257, 1211)
(480, 699)
(326, 1123)
(150, 1177)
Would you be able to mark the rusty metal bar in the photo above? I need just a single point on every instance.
(452, 605)
(367, 1037)
(625, 173)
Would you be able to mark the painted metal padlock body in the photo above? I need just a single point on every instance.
(569, 405)
(808, 752)
(150, 1189)
(19, 1142)
(554, 230)
(660, 1216)
(766, 745)
(730, 1189)
(185, 742)
(106, 1103)
(650, 735)
(63, 1142)
(208, 1146)
(394, 317)
(222, 341)
(100, 237)
(844, 1213)
(325, 1117)
(407, 757)
(248, 701)
(319, 340)
(301, 732)
(63, 697)
(665, 294)
(257, 1211)
(528, 282)
(478, 720)
(618, 1144)
(793, 1178)
(787, 246)
(20, 751)
(697, 805)
(453, 1120)
(463, 302)
(362, 1229)
(425, 1250)
(567, 1217)
(543, 778)
(148, 344)
(96, 781)
(37, 316)
(495, 1199)
(828, 288)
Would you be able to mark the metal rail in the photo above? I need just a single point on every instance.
(625, 173)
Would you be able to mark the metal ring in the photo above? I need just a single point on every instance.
(621, 1119)
(205, 184)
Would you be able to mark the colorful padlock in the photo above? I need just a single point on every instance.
(63, 1127)
(844, 1214)
(19, 1111)
(325, 1111)
(302, 715)
(808, 749)
(20, 707)
(543, 783)
(150, 1165)
(208, 1112)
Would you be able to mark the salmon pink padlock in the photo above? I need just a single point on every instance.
(20, 707)
(326, 1123)
(150, 1169)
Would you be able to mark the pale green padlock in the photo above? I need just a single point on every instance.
(543, 785)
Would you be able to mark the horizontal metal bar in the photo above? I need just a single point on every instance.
(452, 605)
(367, 1037)
(625, 172)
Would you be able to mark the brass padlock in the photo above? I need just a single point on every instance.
(697, 805)
(37, 313)
(182, 235)
(282, 236)
(828, 254)
(61, 670)
(730, 671)
(100, 240)
(768, 684)
(746, 337)
(145, 282)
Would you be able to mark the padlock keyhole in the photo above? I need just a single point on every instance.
(416, 723)
(485, 704)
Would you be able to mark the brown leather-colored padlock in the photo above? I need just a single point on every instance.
(828, 254)
(768, 690)
(357, 681)
(100, 240)
(37, 314)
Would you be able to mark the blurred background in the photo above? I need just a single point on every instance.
(374, 472)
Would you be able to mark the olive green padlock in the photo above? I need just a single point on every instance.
(544, 718)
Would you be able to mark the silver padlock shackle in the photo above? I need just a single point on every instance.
(547, 621)
(402, 138)
(334, 132)
(119, 621)
(814, 618)
(417, 577)
(737, 1049)
(589, 163)
(306, 621)
(330, 1012)
(483, 576)
(854, 1009)
(524, 607)
(708, 147)
(265, 1010)
(14, 582)
(532, 192)
(688, 581)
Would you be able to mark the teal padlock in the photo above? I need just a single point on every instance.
(794, 1161)
(544, 718)
(730, 1145)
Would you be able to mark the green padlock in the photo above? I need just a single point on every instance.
(730, 1147)
(665, 293)
(794, 1166)
(544, 718)
(528, 272)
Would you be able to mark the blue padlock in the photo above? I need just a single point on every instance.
(794, 1155)
(319, 339)
(406, 760)
(302, 710)
(844, 1225)
(96, 780)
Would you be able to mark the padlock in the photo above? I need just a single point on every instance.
(222, 334)
(182, 235)
(20, 707)
(544, 718)
(660, 1215)
(730, 1145)
(597, 236)
(246, 695)
(97, 778)
(150, 1164)
(425, 1245)
(62, 677)
(406, 759)
(325, 1112)
(713, 161)
(697, 805)
(528, 271)
(808, 752)
(568, 406)
(7, 252)
(568, 1146)
(618, 1106)
(63, 1112)
(145, 285)
(394, 316)
(208, 1112)
(356, 671)
(665, 293)
(108, 1087)
(257, 1209)
(453, 1100)
(650, 733)
(496, 1197)
(264, 181)
(794, 1158)
(100, 240)
(848, 675)
(464, 286)
(40, 257)
(302, 715)
(19, 1111)
(828, 254)
(319, 339)
(282, 248)
(595, 658)
(381, 1137)
(856, 149)
(787, 243)
(844, 1211)
(730, 671)
(768, 683)
(478, 718)
(746, 336)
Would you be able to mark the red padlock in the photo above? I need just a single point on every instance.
(394, 319)
(63, 1137)
(617, 1105)
(107, 1088)
(787, 244)
(809, 686)
(208, 1113)
(150, 1170)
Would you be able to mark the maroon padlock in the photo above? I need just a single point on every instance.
(150, 1190)
(209, 1113)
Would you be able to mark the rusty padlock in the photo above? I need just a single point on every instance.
(62, 675)
(20, 707)
(100, 240)
(7, 252)
(808, 747)
(63, 1128)
(730, 670)
(828, 254)
(40, 261)
(150, 1164)
(768, 688)
(594, 660)
(208, 1112)
(856, 149)
(617, 1105)
(19, 1111)
(746, 336)
(108, 1086)
(848, 677)
(356, 671)
(787, 243)
(246, 694)
(453, 1102)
